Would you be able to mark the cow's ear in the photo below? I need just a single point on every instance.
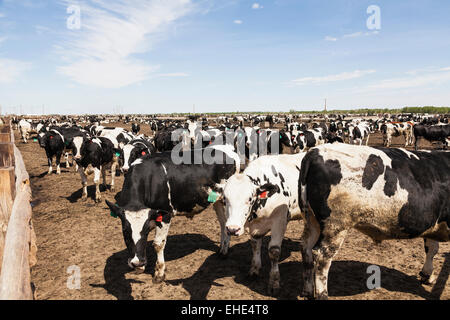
(267, 190)
(117, 152)
(68, 141)
(160, 216)
(116, 211)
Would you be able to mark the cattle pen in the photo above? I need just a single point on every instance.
(17, 237)
(81, 252)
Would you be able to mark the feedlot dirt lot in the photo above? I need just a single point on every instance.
(71, 232)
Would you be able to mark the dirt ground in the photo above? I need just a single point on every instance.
(71, 232)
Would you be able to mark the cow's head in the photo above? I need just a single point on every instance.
(76, 143)
(135, 228)
(47, 138)
(284, 138)
(42, 139)
(243, 197)
(130, 153)
(301, 142)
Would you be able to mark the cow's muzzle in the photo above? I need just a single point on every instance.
(137, 264)
(233, 230)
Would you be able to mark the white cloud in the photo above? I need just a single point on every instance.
(237, 21)
(11, 70)
(332, 78)
(416, 80)
(41, 29)
(257, 6)
(352, 35)
(328, 38)
(174, 74)
(101, 52)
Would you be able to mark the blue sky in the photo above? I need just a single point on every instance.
(162, 56)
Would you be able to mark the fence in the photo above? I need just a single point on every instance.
(17, 237)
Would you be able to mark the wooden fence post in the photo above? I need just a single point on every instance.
(17, 238)
(7, 182)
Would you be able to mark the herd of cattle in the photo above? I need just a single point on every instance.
(322, 172)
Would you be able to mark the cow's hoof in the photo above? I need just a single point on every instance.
(307, 294)
(84, 198)
(322, 296)
(158, 279)
(222, 253)
(273, 291)
(252, 276)
(426, 279)
(139, 270)
(113, 189)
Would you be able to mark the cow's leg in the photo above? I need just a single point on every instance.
(66, 158)
(113, 174)
(103, 170)
(97, 172)
(83, 182)
(367, 141)
(50, 160)
(159, 244)
(58, 162)
(256, 260)
(431, 248)
(277, 233)
(309, 238)
(224, 237)
(323, 256)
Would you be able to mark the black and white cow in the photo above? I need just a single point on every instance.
(53, 143)
(25, 128)
(262, 199)
(357, 133)
(135, 149)
(432, 133)
(309, 139)
(72, 138)
(100, 154)
(158, 187)
(135, 128)
(384, 193)
(396, 129)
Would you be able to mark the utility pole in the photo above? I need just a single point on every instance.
(325, 105)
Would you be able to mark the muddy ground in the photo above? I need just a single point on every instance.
(71, 232)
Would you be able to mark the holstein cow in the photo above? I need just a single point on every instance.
(25, 128)
(264, 198)
(384, 193)
(160, 186)
(357, 133)
(53, 143)
(432, 133)
(395, 129)
(99, 153)
(135, 149)
(309, 139)
(135, 128)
